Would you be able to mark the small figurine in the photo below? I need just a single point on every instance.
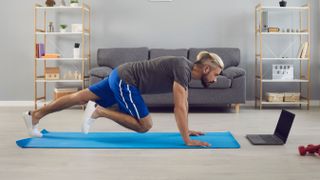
(50, 3)
(51, 28)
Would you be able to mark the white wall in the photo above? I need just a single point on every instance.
(135, 23)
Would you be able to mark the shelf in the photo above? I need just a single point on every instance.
(62, 33)
(61, 59)
(302, 102)
(278, 8)
(42, 13)
(63, 8)
(302, 33)
(284, 59)
(284, 81)
(283, 33)
(57, 81)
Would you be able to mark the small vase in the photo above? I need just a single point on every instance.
(63, 30)
(76, 53)
(74, 4)
(283, 3)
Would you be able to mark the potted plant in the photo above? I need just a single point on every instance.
(50, 3)
(283, 3)
(74, 3)
(63, 28)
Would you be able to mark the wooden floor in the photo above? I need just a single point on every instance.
(248, 163)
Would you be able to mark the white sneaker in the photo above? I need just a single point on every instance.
(32, 129)
(87, 120)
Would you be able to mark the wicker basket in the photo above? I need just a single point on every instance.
(59, 92)
(274, 97)
(291, 97)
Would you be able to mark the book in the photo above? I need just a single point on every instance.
(37, 51)
(52, 55)
(41, 49)
(300, 50)
(304, 50)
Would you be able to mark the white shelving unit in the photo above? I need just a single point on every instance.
(284, 33)
(62, 33)
(62, 59)
(39, 78)
(260, 58)
(85, 8)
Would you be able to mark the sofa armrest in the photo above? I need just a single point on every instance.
(101, 71)
(233, 72)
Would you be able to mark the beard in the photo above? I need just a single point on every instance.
(205, 83)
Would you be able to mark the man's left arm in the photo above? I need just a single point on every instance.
(181, 115)
(191, 132)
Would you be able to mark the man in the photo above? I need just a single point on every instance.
(125, 85)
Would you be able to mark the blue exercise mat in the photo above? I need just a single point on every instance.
(125, 140)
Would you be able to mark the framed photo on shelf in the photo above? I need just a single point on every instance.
(282, 72)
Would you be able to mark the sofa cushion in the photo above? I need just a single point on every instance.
(154, 53)
(233, 72)
(113, 57)
(100, 72)
(222, 83)
(229, 56)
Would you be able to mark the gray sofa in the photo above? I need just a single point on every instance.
(230, 88)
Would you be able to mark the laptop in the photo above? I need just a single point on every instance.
(280, 135)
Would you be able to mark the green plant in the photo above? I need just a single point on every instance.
(74, 1)
(63, 26)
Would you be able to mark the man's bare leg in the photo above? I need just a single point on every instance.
(78, 98)
(125, 120)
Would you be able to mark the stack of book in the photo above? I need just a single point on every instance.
(40, 51)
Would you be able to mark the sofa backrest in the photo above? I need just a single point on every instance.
(229, 56)
(154, 53)
(113, 57)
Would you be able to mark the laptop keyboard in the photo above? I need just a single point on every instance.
(271, 139)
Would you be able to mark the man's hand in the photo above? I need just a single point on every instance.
(195, 133)
(197, 143)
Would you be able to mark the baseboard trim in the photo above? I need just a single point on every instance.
(16, 103)
(30, 103)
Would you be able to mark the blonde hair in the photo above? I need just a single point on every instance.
(214, 60)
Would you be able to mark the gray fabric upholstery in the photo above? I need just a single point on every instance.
(94, 80)
(230, 87)
(235, 94)
(158, 99)
(154, 53)
(229, 56)
(113, 57)
(100, 72)
(233, 72)
(222, 83)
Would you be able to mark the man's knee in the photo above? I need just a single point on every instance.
(146, 124)
(81, 97)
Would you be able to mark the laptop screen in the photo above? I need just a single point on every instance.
(284, 125)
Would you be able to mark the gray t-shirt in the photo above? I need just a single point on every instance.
(157, 75)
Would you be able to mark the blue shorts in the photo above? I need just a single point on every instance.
(112, 90)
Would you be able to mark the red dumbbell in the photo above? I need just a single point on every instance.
(309, 149)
